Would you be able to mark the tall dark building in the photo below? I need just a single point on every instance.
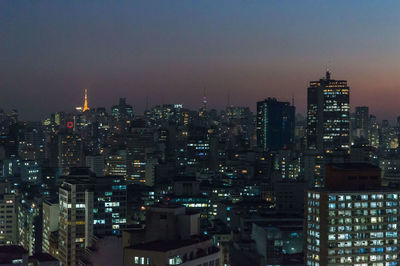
(362, 121)
(328, 115)
(275, 124)
(122, 109)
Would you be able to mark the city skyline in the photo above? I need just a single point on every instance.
(199, 133)
(266, 49)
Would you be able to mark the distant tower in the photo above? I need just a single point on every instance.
(85, 107)
(204, 100)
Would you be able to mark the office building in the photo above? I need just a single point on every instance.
(328, 115)
(30, 171)
(110, 205)
(8, 219)
(76, 220)
(275, 124)
(352, 221)
(51, 214)
(122, 110)
(70, 152)
(30, 225)
(362, 122)
(96, 164)
(89, 205)
(115, 164)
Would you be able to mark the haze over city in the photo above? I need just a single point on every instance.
(170, 51)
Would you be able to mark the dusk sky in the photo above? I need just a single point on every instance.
(170, 50)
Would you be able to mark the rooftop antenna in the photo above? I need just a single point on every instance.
(229, 98)
(328, 72)
(292, 99)
(147, 103)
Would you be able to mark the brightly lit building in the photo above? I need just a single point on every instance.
(89, 206)
(115, 164)
(328, 115)
(70, 152)
(122, 110)
(140, 146)
(30, 226)
(352, 221)
(8, 219)
(30, 171)
(51, 214)
(109, 208)
(76, 220)
(374, 132)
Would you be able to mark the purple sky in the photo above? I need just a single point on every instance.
(170, 50)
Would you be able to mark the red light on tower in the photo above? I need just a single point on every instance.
(70, 124)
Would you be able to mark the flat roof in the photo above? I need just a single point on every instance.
(360, 191)
(354, 166)
(167, 245)
(10, 253)
(12, 249)
(43, 257)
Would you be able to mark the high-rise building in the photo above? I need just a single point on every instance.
(89, 206)
(70, 152)
(76, 221)
(352, 221)
(96, 164)
(374, 129)
(275, 124)
(30, 171)
(8, 219)
(110, 205)
(51, 214)
(115, 164)
(328, 115)
(140, 145)
(362, 122)
(122, 110)
(30, 225)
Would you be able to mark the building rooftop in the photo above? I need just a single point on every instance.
(354, 166)
(368, 190)
(164, 246)
(43, 257)
(12, 249)
(167, 205)
(10, 253)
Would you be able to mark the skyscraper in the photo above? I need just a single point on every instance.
(275, 124)
(9, 219)
(70, 151)
(328, 115)
(75, 220)
(362, 122)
